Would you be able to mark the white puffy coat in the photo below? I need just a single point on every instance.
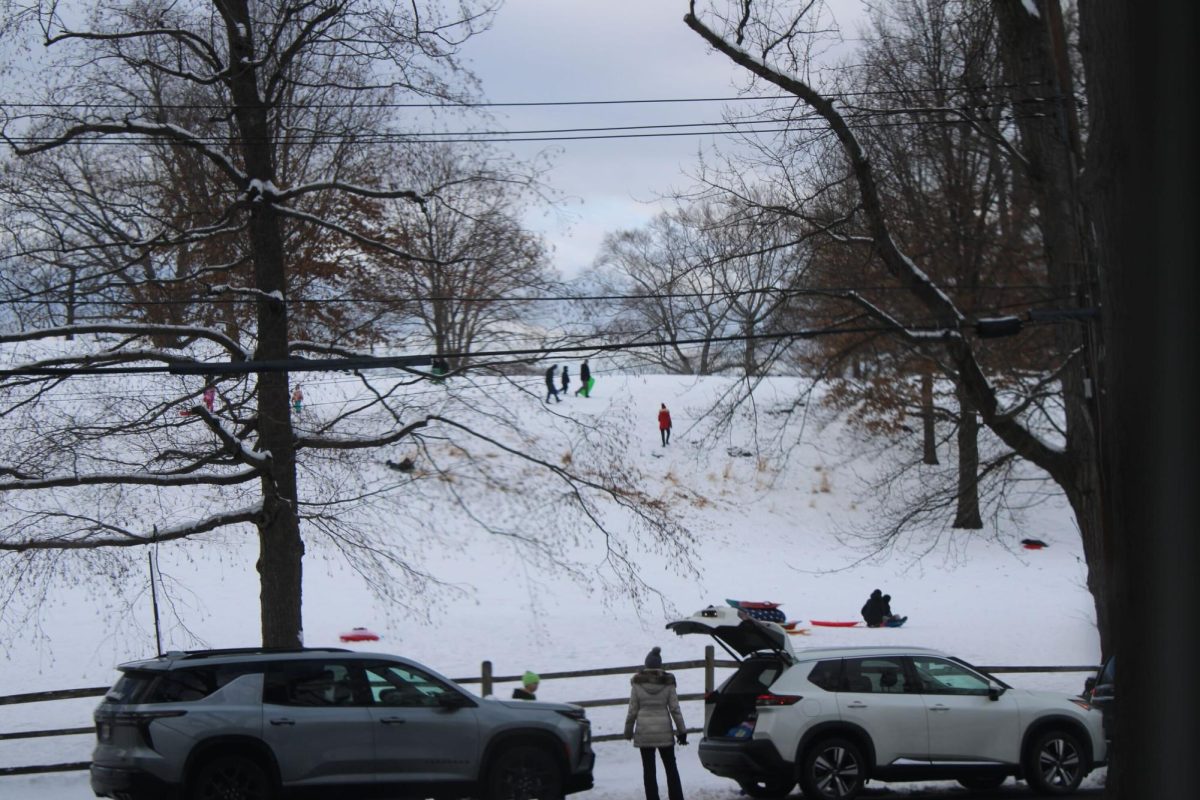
(653, 704)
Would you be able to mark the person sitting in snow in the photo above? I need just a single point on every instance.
(872, 610)
(529, 686)
(890, 619)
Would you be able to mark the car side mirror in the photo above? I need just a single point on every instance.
(994, 691)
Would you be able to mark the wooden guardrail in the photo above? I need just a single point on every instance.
(486, 680)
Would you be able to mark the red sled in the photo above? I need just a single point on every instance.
(825, 623)
(359, 635)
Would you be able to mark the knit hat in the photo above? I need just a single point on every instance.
(529, 678)
(654, 658)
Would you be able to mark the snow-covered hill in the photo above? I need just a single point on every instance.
(768, 522)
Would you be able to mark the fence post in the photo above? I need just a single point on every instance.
(709, 681)
(485, 687)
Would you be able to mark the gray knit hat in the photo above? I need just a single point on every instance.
(654, 658)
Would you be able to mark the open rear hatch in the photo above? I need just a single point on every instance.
(765, 652)
(737, 632)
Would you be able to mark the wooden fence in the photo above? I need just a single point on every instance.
(486, 680)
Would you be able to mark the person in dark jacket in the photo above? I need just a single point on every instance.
(585, 376)
(551, 389)
(653, 708)
(529, 686)
(566, 379)
(872, 610)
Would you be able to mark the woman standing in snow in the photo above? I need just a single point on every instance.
(653, 706)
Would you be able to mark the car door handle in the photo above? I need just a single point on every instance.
(393, 720)
(939, 708)
(856, 704)
(283, 721)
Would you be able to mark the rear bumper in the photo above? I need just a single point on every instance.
(130, 784)
(741, 758)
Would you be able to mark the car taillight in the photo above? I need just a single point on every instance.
(777, 699)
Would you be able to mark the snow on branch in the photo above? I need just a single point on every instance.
(186, 332)
(129, 479)
(120, 537)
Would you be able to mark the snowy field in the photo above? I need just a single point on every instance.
(769, 525)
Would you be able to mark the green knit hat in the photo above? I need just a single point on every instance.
(530, 677)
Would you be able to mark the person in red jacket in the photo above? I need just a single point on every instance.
(664, 424)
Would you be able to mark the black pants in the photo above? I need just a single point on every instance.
(650, 779)
(666, 435)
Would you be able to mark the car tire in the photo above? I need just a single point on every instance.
(767, 788)
(833, 769)
(525, 772)
(982, 783)
(230, 778)
(1055, 762)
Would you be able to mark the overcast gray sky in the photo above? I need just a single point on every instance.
(564, 50)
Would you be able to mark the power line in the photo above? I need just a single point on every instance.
(299, 365)
(816, 291)
(532, 103)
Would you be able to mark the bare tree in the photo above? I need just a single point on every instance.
(472, 261)
(217, 190)
(771, 40)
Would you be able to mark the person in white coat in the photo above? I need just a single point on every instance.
(653, 707)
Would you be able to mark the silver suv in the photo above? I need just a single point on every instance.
(832, 718)
(251, 724)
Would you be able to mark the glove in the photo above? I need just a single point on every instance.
(681, 738)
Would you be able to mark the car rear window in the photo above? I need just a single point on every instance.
(754, 676)
(174, 686)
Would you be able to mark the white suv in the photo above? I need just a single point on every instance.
(831, 718)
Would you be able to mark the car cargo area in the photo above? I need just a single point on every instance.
(731, 708)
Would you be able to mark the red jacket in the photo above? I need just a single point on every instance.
(664, 420)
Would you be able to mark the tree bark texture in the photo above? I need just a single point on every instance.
(966, 506)
(280, 546)
(928, 427)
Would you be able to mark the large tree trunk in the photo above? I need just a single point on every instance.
(280, 547)
(966, 507)
(1034, 51)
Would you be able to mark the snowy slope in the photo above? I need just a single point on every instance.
(768, 524)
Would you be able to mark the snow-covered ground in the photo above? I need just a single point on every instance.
(766, 528)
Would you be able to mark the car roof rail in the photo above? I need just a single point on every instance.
(248, 651)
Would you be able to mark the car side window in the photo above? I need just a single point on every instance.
(403, 685)
(827, 674)
(312, 683)
(941, 676)
(876, 675)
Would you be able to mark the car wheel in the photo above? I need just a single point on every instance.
(525, 773)
(833, 768)
(982, 783)
(1055, 763)
(772, 787)
(231, 778)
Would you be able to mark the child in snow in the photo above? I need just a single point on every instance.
(566, 379)
(529, 686)
(297, 400)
